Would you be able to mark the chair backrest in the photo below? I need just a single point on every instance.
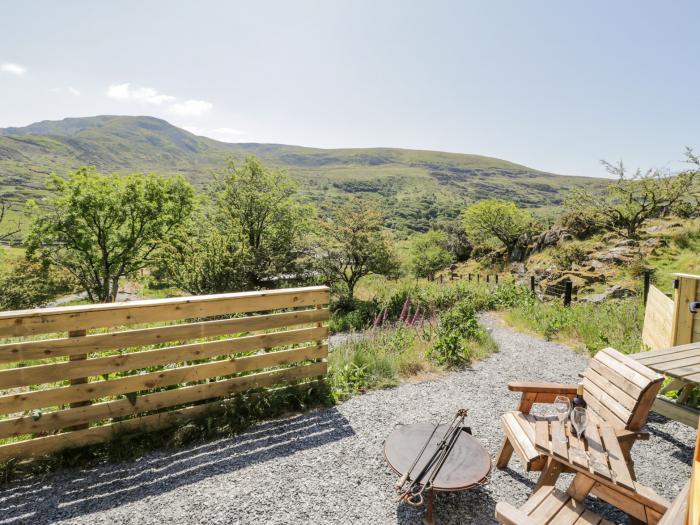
(619, 390)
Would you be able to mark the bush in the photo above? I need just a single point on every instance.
(32, 284)
(460, 338)
(568, 254)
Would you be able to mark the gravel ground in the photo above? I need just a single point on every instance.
(327, 466)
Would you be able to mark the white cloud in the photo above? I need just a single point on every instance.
(13, 69)
(73, 91)
(191, 108)
(124, 92)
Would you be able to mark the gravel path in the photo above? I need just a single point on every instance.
(326, 466)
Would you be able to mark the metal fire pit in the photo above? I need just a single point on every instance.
(468, 465)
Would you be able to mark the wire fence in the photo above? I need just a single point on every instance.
(566, 290)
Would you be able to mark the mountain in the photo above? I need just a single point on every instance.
(414, 186)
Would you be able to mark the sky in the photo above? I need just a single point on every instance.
(555, 85)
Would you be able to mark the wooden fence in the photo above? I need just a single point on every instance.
(669, 321)
(88, 381)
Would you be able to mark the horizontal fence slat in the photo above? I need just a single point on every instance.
(49, 373)
(158, 400)
(86, 317)
(49, 348)
(35, 399)
(100, 434)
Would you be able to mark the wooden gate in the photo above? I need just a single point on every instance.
(73, 376)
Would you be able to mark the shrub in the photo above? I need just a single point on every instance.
(569, 253)
(32, 284)
(460, 338)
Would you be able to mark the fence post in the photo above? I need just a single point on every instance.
(487, 278)
(647, 280)
(532, 283)
(496, 278)
(440, 278)
(478, 277)
(685, 291)
(79, 380)
(567, 293)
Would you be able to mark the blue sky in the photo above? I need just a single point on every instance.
(555, 85)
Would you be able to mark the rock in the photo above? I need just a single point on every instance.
(627, 242)
(614, 292)
(619, 292)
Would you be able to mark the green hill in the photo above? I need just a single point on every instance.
(414, 186)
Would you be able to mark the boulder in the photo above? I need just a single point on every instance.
(614, 292)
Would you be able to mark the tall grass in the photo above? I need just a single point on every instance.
(589, 327)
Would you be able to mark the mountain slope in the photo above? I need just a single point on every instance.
(415, 185)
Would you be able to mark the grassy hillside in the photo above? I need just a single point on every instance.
(413, 186)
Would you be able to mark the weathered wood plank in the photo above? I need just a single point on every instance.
(150, 402)
(682, 317)
(49, 373)
(618, 465)
(51, 348)
(103, 433)
(29, 400)
(87, 317)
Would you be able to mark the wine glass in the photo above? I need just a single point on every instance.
(579, 418)
(562, 405)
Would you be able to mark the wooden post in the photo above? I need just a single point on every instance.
(470, 277)
(478, 277)
(487, 278)
(496, 278)
(440, 278)
(685, 286)
(567, 293)
(79, 380)
(532, 283)
(647, 282)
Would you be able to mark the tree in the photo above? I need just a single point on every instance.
(15, 229)
(101, 228)
(631, 201)
(494, 222)
(205, 260)
(258, 208)
(429, 253)
(354, 244)
(30, 284)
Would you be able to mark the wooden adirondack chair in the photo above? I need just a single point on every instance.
(548, 505)
(617, 389)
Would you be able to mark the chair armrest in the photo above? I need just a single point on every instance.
(542, 388)
(623, 434)
(509, 515)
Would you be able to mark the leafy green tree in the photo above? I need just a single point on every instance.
(354, 244)
(206, 261)
(101, 228)
(630, 201)
(429, 253)
(494, 223)
(258, 208)
(30, 284)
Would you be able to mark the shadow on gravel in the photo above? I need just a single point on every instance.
(76, 493)
(683, 452)
(472, 506)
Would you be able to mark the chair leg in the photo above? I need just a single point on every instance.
(549, 475)
(505, 454)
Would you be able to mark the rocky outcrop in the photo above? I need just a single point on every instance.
(614, 292)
